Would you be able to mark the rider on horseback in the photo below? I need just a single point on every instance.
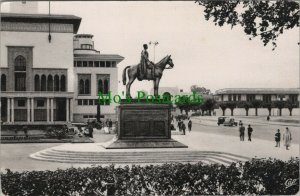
(145, 63)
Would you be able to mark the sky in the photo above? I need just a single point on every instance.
(203, 54)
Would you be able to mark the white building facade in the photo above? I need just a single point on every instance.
(37, 67)
(266, 95)
(94, 73)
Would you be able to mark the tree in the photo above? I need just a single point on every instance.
(264, 19)
(223, 106)
(246, 105)
(200, 90)
(210, 105)
(256, 104)
(279, 104)
(291, 105)
(231, 105)
(269, 106)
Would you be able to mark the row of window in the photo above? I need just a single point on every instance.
(50, 83)
(87, 46)
(266, 98)
(91, 102)
(95, 63)
(89, 116)
(22, 103)
(84, 84)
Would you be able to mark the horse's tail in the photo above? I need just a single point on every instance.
(124, 75)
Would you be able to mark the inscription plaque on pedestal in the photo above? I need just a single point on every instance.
(144, 125)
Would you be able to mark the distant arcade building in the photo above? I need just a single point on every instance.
(266, 95)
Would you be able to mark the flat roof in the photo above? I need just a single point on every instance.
(42, 18)
(98, 57)
(258, 91)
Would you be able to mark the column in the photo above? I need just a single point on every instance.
(8, 109)
(32, 109)
(28, 110)
(71, 110)
(67, 110)
(12, 110)
(51, 108)
(47, 113)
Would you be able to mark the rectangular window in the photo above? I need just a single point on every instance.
(102, 63)
(84, 84)
(21, 103)
(108, 64)
(91, 63)
(79, 101)
(20, 81)
(85, 102)
(85, 116)
(84, 63)
(74, 63)
(250, 97)
(97, 63)
(239, 97)
(234, 97)
(114, 64)
(95, 101)
(91, 102)
(79, 63)
(267, 98)
(229, 97)
(40, 103)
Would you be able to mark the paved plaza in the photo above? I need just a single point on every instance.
(207, 142)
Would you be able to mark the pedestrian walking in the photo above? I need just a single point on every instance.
(240, 123)
(190, 125)
(242, 132)
(250, 130)
(287, 137)
(90, 128)
(183, 128)
(277, 138)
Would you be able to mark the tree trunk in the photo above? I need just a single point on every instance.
(223, 112)
(180, 111)
(290, 111)
(255, 111)
(247, 112)
(280, 111)
(209, 112)
(232, 111)
(269, 112)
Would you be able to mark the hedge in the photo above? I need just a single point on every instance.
(258, 176)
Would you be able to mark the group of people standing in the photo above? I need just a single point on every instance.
(287, 136)
(181, 125)
(242, 131)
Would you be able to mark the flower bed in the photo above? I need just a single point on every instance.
(253, 177)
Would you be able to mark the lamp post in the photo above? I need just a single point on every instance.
(154, 43)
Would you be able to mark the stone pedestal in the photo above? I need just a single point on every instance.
(144, 125)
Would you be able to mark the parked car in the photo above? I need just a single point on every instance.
(221, 120)
(230, 122)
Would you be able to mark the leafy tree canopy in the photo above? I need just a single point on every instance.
(264, 19)
(201, 90)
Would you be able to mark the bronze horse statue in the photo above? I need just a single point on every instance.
(158, 71)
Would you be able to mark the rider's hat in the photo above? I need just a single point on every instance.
(145, 45)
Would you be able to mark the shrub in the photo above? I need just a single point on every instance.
(252, 177)
(56, 133)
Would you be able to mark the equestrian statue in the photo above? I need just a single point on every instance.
(146, 70)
